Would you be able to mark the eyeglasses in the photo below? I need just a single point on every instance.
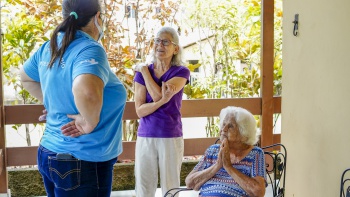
(157, 41)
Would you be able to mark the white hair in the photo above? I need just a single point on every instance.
(245, 121)
(177, 58)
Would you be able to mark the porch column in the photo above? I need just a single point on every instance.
(3, 172)
(267, 55)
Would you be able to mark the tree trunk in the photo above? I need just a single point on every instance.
(29, 141)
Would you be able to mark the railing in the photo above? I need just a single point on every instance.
(25, 114)
(265, 106)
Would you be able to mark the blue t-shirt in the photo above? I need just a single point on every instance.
(222, 184)
(83, 56)
(165, 122)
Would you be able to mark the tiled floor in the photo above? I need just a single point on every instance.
(131, 193)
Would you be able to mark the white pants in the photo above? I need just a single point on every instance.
(151, 153)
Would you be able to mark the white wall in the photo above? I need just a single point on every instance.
(316, 92)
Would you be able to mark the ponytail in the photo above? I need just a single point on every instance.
(76, 14)
(69, 28)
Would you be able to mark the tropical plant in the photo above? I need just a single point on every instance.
(129, 27)
(231, 29)
(20, 38)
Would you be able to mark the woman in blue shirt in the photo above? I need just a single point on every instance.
(85, 102)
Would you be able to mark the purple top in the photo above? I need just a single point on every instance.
(165, 122)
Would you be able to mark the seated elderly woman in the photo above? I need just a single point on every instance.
(236, 167)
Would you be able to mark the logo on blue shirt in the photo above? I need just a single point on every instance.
(91, 61)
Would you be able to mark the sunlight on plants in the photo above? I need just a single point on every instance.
(221, 42)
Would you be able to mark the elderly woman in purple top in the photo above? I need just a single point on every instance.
(158, 97)
(236, 167)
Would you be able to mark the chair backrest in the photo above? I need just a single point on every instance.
(173, 192)
(276, 162)
(345, 184)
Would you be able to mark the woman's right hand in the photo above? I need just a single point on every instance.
(140, 66)
(43, 117)
(77, 127)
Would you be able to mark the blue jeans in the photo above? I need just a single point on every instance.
(73, 177)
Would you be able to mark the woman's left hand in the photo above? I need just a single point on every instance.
(77, 127)
(168, 91)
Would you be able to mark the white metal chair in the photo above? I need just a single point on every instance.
(173, 192)
(276, 162)
(345, 184)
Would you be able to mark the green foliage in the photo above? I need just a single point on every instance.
(26, 31)
(19, 40)
(233, 31)
(128, 36)
(212, 129)
(22, 34)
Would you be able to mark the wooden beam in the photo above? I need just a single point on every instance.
(197, 146)
(267, 56)
(277, 105)
(30, 113)
(130, 112)
(23, 114)
(22, 156)
(276, 138)
(19, 156)
(2, 161)
(27, 114)
(128, 151)
(212, 107)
